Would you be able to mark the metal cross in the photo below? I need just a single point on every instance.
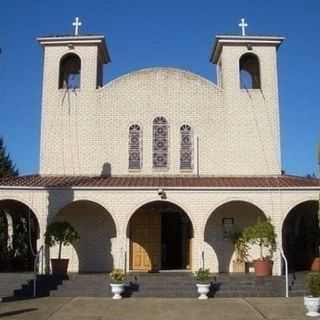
(76, 25)
(243, 26)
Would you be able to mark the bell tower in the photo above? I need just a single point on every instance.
(247, 74)
(72, 73)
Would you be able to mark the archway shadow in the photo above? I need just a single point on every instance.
(218, 236)
(300, 236)
(19, 232)
(96, 230)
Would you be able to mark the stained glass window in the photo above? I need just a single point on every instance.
(186, 148)
(160, 143)
(135, 155)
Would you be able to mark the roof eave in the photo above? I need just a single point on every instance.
(229, 39)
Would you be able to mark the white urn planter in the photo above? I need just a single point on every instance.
(203, 290)
(117, 289)
(312, 305)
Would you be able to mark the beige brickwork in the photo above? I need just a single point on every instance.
(85, 132)
(109, 213)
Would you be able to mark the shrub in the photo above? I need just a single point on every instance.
(202, 275)
(117, 275)
(262, 234)
(61, 233)
(313, 283)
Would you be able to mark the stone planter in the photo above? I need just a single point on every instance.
(312, 305)
(203, 290)
(117, 289)
(59, 266)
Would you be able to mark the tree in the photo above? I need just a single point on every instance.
(7, 168)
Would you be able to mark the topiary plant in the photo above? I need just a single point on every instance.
(262, 234)
(117, 275)
(61, 233)
(202, 275)
(313, 283)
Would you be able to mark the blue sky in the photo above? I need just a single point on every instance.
(161, 33)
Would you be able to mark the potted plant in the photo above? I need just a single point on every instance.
(312, 302)
(117, 287)
(60, 233)
(203, 285)
(241, 248)
(263, 235)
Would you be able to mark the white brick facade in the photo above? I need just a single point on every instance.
(85, 132)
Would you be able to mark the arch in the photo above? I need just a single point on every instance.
(70, 71)
(135, 147)
(249, 67)
(20, 232)
(300, 234)
(160, 143)
(160, 234)
(234, 199)
(97, 230)
(154, 199)
(227, 218)
(186, 147)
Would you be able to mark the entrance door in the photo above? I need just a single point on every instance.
(145, 235)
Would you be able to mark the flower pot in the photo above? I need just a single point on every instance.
(312, 305)
(203, 290)
(316, 265)
(263, 268)
(59, 266)
(117, 289)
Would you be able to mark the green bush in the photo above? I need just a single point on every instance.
(61, 233)
(313, 283)
(117, 275)
(202, 275)
(262, 234)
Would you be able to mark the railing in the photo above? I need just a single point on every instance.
(286, 272)
(36, 269)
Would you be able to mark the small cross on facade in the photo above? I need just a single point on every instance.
(76, 25)
(243, 26)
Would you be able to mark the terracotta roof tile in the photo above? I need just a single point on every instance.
(126, 181)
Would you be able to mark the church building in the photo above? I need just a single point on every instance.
(157, 168)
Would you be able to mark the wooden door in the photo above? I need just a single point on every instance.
(145, 244)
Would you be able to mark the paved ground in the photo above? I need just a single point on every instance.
(154, 309)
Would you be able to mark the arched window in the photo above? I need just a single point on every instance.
(249, 72)
(186, 147)
(70, 71)
(135, 153)
(160, 143)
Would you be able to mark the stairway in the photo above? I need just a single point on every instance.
(172, 284)
(247, 285)
(15, 286)
(297, 284)
(10, 282)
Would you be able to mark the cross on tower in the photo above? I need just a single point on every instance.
(243, 26)
(76, 25)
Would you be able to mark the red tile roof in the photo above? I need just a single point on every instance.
(283, 181)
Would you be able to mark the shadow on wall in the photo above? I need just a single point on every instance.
(55, 198)
(106, 169)
(221, 249)
(300, 234)
(96, 228)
